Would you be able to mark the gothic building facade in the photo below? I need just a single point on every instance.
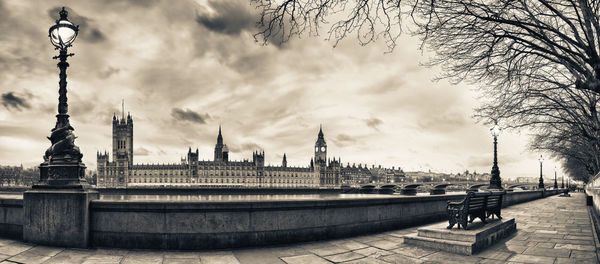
(220, 172)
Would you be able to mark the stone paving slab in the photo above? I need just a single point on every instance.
(553, 230)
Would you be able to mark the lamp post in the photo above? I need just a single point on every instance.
(495, 181)
(62, 166)
(541, 185)
(555, 182)
(56, 208)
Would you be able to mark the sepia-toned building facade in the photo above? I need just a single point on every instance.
(220, 172)
(16, 176)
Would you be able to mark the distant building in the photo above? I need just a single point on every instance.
(529, 180)
(91, 176)
(387, 175)
(16, 176)
(220, 172)
(356, 175)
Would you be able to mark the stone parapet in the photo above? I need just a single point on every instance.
(223, 224)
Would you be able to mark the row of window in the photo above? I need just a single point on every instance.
(157, 180)
(222, 173)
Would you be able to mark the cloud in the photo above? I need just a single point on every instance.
(230, 17)
(487, 160)
(249, 146)
(10, 100)
(388, 85)
(443, 122)
(109, 71)
(342, 140)
(141, 151)
(189, 115)
(373, 123)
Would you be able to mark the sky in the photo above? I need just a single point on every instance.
(185, 67)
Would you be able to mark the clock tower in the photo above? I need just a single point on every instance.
(321, 149)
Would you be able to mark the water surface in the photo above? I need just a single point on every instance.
(231, 197)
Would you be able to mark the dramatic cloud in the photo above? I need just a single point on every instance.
(12, 101)
(443, 122)
(141, 151)
(228, 17)
(189, 115)
(109, 71)
(342, 140)
(170, 59)
(373, 122)
(244, 147)
(487, 160)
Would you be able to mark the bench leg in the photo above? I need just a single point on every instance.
(463, 220)
(452, 217)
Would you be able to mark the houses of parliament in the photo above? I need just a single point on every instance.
(220, 172)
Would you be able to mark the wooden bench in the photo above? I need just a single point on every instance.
(475, 205)
(494, 204)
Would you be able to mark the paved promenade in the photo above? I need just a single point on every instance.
(551, 230)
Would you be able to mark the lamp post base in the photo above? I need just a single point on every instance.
(62, 175)
(56, 209)
(57, 217)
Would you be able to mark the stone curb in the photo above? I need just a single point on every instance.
(593, 220)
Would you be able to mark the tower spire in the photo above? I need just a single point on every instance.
(122, 108)
(320, 130)
(220, 137)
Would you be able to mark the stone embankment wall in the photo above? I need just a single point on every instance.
(11, 218)
(223, 224)
(592, 191)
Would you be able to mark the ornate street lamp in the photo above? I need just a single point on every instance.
(495, 181)
(62, 166)
(541, 185)
(562, 185)
(555, 182)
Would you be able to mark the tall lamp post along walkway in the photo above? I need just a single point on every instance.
(495, 181)
(541, 184)
(62, 166)
(555, 182)
(56, 209)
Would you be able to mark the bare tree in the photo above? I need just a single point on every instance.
(580, 159)
(536, 62)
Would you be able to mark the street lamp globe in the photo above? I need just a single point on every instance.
(63, 33)
(495, 130)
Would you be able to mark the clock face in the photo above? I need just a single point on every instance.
(316, 148)
(322, 148)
